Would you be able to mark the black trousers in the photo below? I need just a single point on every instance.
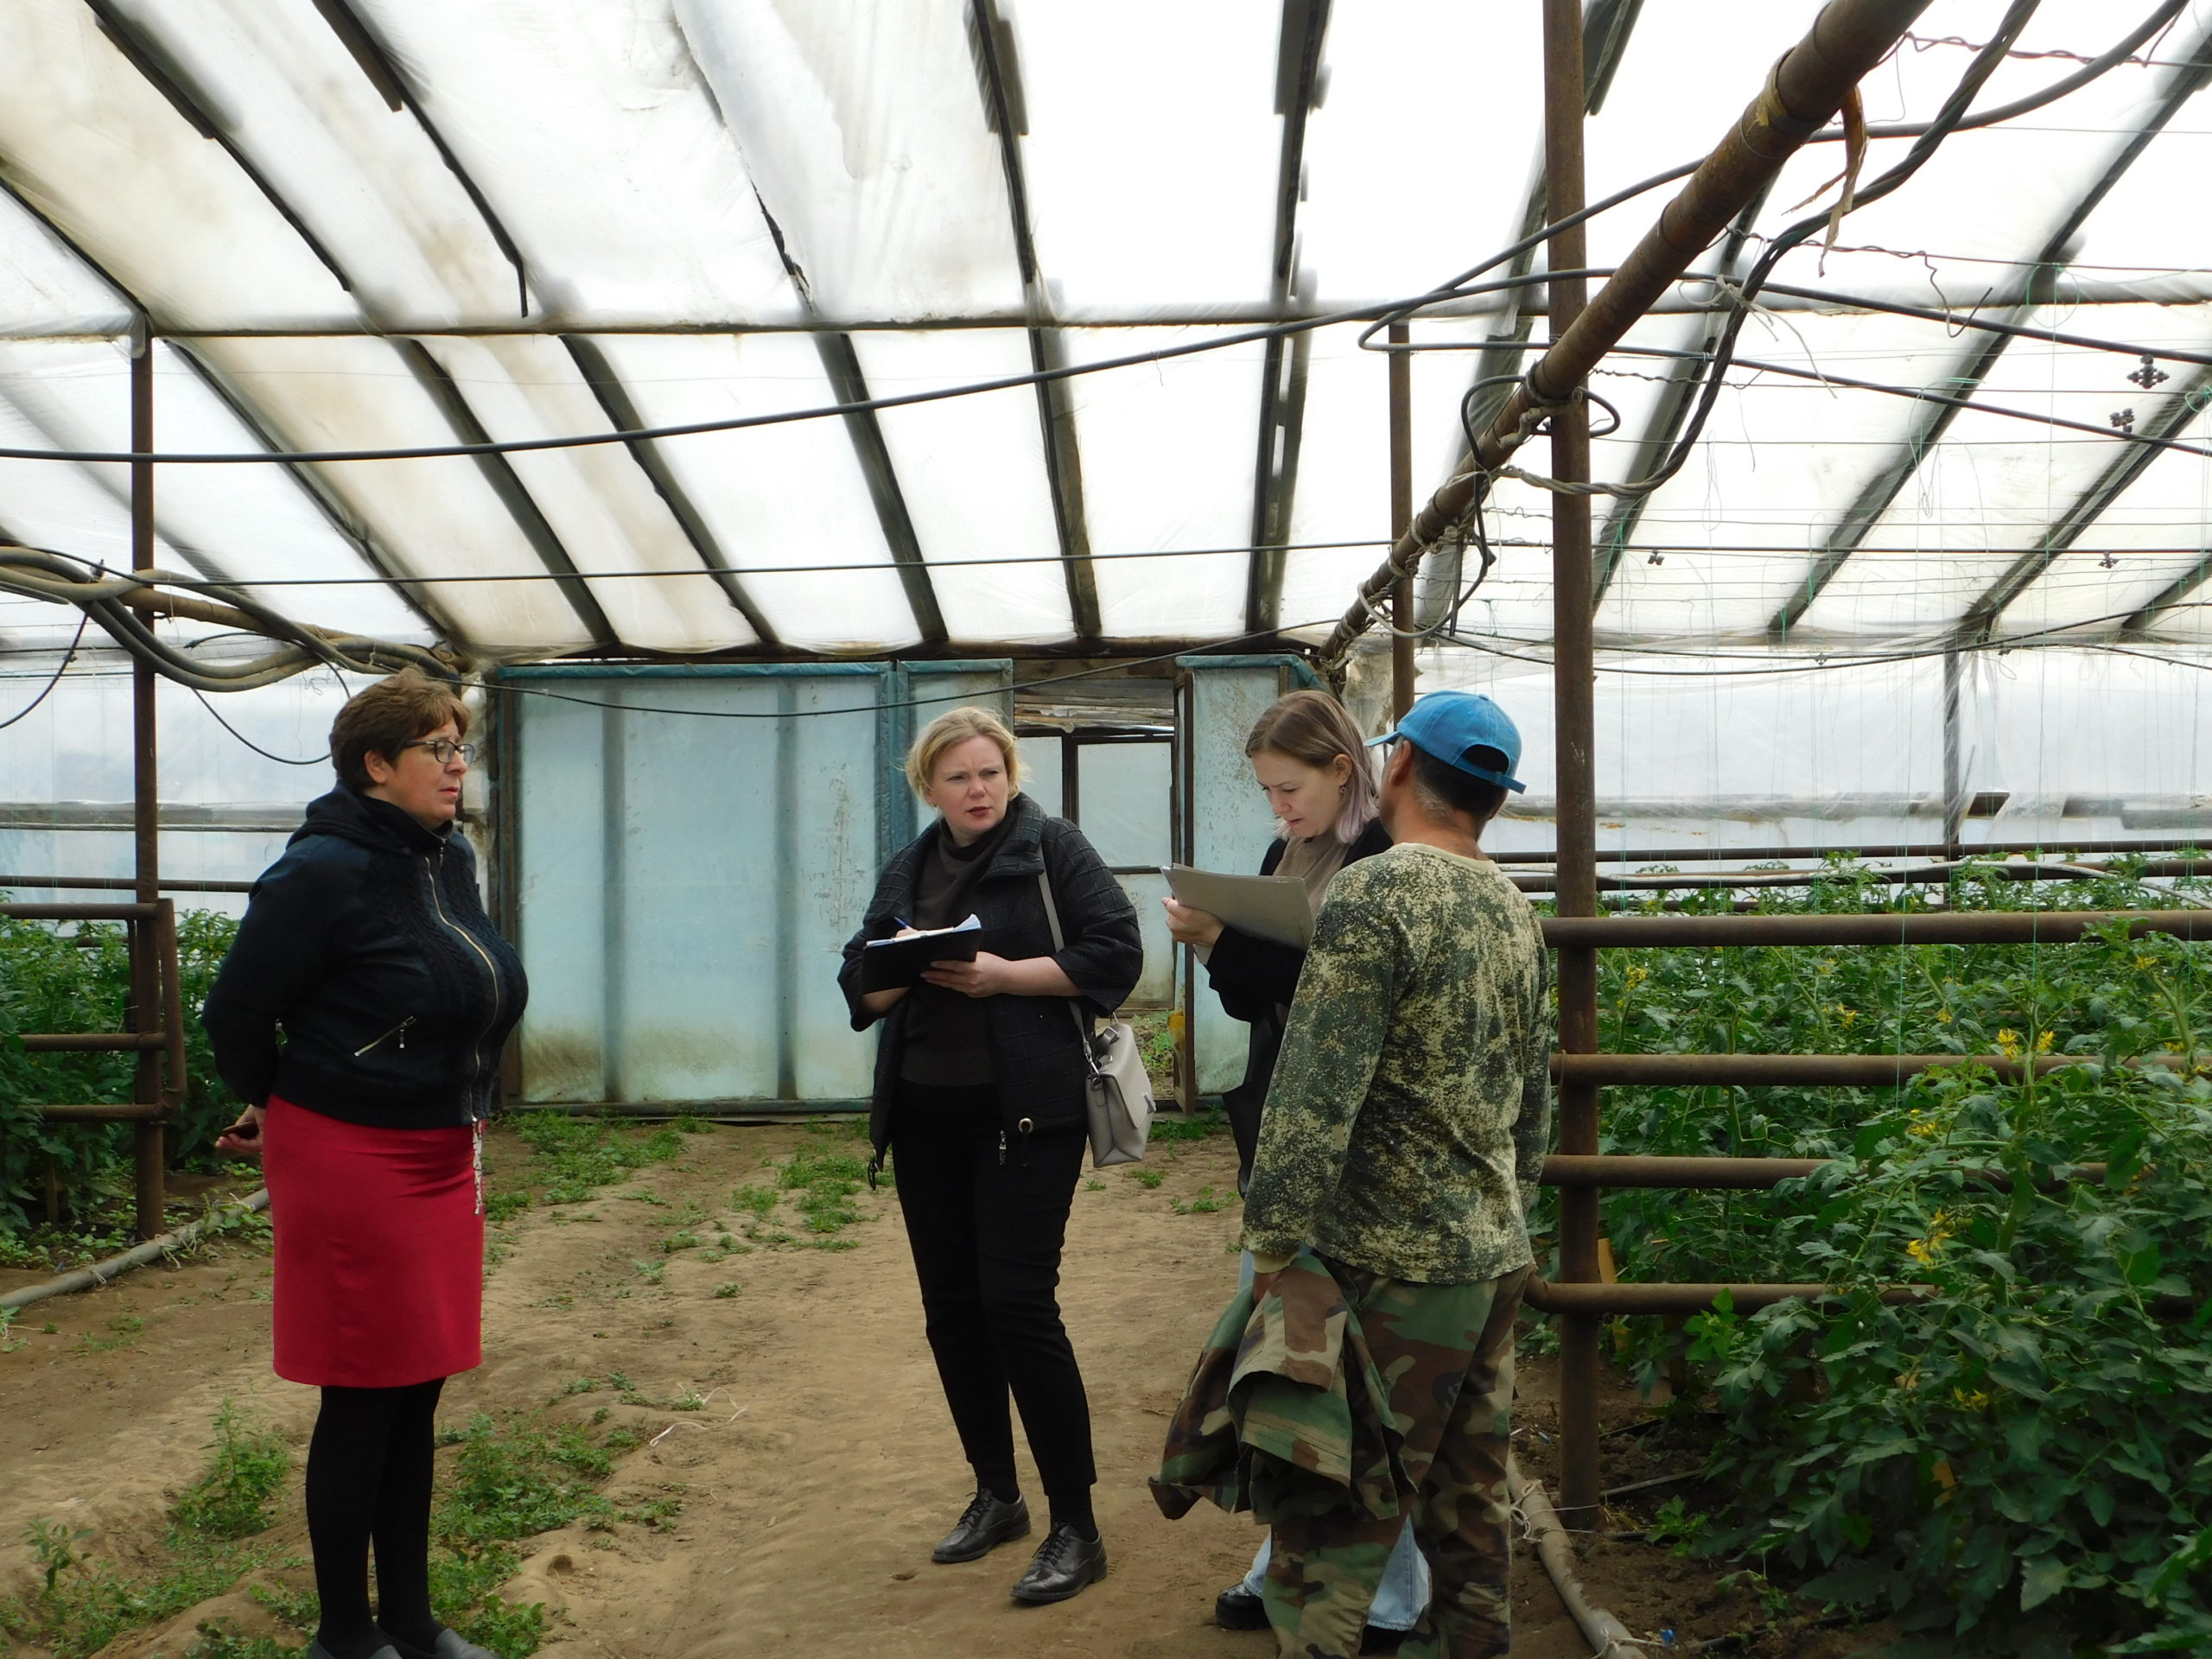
(986, 1222)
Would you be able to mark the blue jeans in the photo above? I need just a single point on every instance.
(1403, 1596)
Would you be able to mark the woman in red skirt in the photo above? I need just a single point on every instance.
(361, 1012)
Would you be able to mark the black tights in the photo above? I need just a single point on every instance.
(369, 1479)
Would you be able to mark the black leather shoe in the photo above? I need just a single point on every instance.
(450, 1645)
(1065, 1564)
(1238, 1609)
(983, 1526)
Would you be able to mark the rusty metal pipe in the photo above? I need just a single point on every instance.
(1401, 515)
(1736, 1174)
(92, 1042)
(133, 1112)
(1960, 927)
(1574, 721)
(1916, 849)
(116, 884)
(1904, 875)
(1605, 1301)
(146, 1152)
(79, 913)
(1804, 89)
(1802, 1070)
(174, 1076)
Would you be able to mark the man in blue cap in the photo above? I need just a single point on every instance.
(1404, 1135)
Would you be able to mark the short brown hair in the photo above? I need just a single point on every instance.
(1313, 728)
(956, 725)
(388, 716)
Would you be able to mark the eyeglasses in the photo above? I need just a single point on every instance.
(442, 750)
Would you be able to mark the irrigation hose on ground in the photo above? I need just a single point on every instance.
(1607, 1637)
(152, 1250)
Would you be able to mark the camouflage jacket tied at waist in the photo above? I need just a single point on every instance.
(1407, 1123)
(1285, 1414)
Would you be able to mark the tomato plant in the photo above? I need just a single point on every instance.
(2022, 1459)
(52, 980)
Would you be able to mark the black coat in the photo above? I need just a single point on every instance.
(367, 946)
(1036, 1053)
(1254, 978)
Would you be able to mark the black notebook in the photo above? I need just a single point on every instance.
(888, 964)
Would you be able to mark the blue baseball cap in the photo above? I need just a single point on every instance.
(1449, 725)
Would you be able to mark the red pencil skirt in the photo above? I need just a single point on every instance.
(379, 1250)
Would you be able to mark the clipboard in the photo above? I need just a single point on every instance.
(893, 964)
(1270, 907)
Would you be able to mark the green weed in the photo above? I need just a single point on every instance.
(727, 1289)
(571, 1158)
(1205, 1205)
(1170, 1127)
(1147, 1179)
(82, 1603)
(218, 1639)
(121, 1331)
(235, 1498)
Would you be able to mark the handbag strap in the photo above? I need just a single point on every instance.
(1060, 943)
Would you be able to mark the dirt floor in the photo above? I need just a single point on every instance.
(822, 1467)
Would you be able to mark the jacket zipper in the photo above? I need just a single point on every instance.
(399, 1031)
(475, 1048)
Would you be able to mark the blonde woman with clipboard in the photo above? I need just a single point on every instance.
(1312, 762)
(980, 1084)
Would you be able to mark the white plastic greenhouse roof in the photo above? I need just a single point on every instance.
(375, 224)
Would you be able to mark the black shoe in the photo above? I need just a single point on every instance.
(1238, 1609)
(450, 1645)
(316, 1650)
(1065, 1564)
(983, 1526)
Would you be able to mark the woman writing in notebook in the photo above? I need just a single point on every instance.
(979, 1100)
(1310, 759)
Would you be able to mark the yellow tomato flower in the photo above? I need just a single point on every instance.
(1977, 1401)
(1943, 1016)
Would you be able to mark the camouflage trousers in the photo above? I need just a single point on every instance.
(1446, 1353)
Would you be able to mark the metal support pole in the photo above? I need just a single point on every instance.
(1955, 787)
(1401, 516)
(1572, 671)
(146, 807)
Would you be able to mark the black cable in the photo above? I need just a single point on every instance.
(68, 656)
(208, 584)
(1985, 64)
(900, 400)
(281, 759)
(1925, 395)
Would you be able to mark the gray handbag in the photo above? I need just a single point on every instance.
(1117, 1095)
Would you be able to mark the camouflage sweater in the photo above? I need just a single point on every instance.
(1411, 1107)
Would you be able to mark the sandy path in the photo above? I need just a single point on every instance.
(815, 1480)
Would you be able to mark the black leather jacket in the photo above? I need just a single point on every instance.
(367, 946)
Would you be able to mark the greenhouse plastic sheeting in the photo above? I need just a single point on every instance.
(686, 851)
(369, 223)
